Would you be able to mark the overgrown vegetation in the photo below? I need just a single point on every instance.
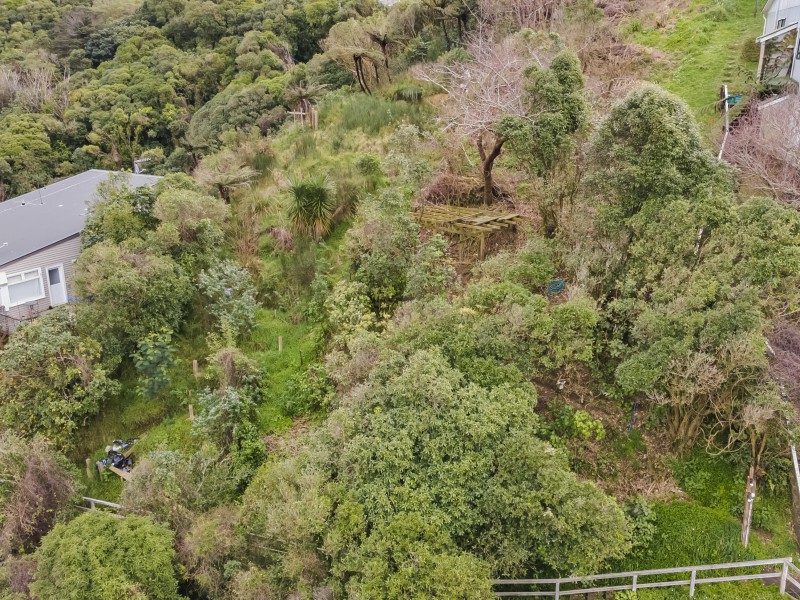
(378, 412)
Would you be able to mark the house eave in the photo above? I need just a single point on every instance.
(50, 245)
(777, 32)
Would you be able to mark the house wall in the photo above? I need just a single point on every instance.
(781, 9)
(65, 253)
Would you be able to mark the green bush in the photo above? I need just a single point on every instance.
(98, 556)
(230, 293)
(712, 481)
(52, 379)
(153, 359)
(308, 392)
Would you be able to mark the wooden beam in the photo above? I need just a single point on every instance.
(123, 474)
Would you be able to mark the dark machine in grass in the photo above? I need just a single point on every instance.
(118, 459)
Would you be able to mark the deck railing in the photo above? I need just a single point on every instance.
(785, 574)
(8, 325)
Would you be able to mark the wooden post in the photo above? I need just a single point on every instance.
(749, 499)
(691, 583)
(727, 120)
(88, 468)
(784, 574)
(191, 412)
(280, 343)
(195, 370)
(558, 590)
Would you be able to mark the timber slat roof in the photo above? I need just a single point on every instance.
(466, 220)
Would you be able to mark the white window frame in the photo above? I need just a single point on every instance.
(781, 23)
(27, 275)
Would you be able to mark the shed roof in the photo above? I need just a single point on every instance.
(53, 213)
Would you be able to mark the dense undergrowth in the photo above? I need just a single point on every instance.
(379, 411)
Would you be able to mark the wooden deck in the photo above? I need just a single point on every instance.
(467, 224)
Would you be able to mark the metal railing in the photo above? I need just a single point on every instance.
(565, 587)
(94, 503)
(9, 324)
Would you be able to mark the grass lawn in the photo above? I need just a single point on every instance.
(299, 347)
(708, 44)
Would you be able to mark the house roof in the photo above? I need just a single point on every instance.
(769, 3)
(776, 33)
(53, 213)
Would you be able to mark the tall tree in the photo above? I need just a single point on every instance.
(349, 44)
(505, 90)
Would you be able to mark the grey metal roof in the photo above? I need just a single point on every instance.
(53, 213)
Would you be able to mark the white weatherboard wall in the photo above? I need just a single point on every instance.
(787, 11)
(63, 253)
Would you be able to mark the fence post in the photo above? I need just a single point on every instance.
(691, 584)
(635, 582)
(280, 343)
(558, 590)
(784, 573)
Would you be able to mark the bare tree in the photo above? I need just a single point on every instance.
(518, 14)
(784, 350)
(35, 487)
(30, 88)
(482, 90)
(765, 147)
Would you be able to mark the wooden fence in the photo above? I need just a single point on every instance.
(777, 571)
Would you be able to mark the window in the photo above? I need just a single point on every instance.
(781, 23)
(25, 287)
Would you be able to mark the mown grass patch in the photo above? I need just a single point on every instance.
(708, 45)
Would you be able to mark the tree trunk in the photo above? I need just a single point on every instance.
(362, 82)
(446, 36)
(385, 50)
(377, 75)
(487, 165)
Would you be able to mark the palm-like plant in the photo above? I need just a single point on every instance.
(225, 172)
(312, 205)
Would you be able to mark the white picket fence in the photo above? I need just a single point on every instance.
(783, 574)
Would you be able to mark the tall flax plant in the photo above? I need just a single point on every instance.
(312, 205)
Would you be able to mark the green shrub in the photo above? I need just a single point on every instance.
(571, 424)
(98, 556)
(312, 205)
(230, 293)
(153, 359)
(308, 392)
(712, 481)
(52, 379)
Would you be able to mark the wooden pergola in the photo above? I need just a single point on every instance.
(470, 225)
